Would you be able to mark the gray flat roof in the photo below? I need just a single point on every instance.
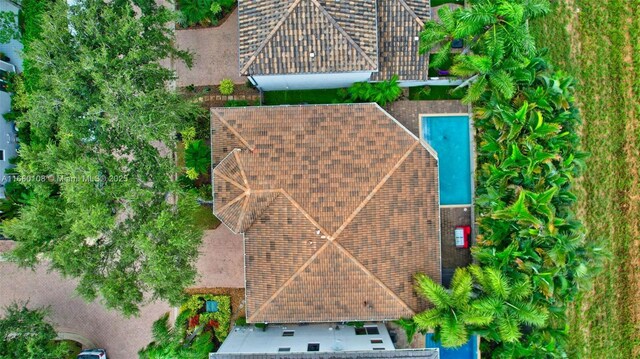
(369, 354)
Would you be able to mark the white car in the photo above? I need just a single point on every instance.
(93, 354)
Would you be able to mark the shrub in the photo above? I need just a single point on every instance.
(226, 87)
(188, 135)
(236, 103)
(198, 157)
(381, 92)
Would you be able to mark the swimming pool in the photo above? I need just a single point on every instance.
(449, 136)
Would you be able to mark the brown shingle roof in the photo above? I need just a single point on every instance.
(279, 37)
(339, 206)
(400, 23)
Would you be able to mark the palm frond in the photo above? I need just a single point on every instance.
(433, 291)
(461, 286)
(429, 319)
(453, 333)
(508, 329)
(503, 83)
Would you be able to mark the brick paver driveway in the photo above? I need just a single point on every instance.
(121, 337)
(215, 54)
(220, 265)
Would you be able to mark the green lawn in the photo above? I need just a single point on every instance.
(604, 320)
(297, 97)
(205, 218)
(434, 93)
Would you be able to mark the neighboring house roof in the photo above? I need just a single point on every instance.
(339, 207)
(400, 23)
(372, 354)
(329, 36)
(307, 36)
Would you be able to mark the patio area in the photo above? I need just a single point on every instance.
(215, 54)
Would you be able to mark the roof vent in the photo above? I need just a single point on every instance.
(416, 38)
(312, 55)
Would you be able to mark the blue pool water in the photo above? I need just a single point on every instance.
(449, 136)
(467, 351)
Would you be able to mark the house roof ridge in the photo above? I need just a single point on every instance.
(232, 129)
(413, 13)
(371, 275)
(344, 33)
(375, 190)
(270, 36)
(290, 280)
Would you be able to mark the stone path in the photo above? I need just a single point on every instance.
(215, 52)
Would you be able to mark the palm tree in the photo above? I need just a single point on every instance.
(497, 32)
(453, 317)
(507, 302)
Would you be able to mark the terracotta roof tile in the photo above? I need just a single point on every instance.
(320, 178)
(306, 38)
(400, 23)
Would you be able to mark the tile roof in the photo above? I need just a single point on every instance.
(400, 23)
(279, 37)
(339, 207)
(371, 354)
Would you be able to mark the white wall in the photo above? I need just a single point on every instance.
(253, 340)
(14, 48)
(310, 81)
(8, 141)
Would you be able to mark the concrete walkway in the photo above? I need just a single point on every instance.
(215, 54)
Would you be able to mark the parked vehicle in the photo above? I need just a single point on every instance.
(93, 354)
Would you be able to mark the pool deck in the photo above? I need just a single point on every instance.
(408, 113)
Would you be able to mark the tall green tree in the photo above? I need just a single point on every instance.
(26, 334)
(104, 206)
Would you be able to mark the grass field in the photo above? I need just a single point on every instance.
(604, 38)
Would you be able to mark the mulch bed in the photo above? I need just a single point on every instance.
(236, 294)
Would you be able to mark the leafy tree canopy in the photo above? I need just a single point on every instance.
(104, 206)
(25, 334)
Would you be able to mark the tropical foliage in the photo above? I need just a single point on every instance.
(203, 12)
(532, 251)
(196, 332)
(100, 123)
(498, 43)
(26, 334)
(171, 342)
(382, 92)
(226, 87)
(198, 156)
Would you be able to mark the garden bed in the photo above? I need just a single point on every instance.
(202, 14)
(236, 294)
(204, 313)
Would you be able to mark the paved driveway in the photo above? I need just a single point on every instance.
(221, 262)
(221, 265)
(215, 54)
(121, 337)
